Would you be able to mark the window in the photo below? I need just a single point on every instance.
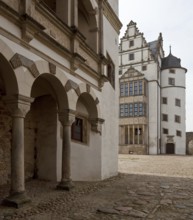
(164, 117)
(131, 43)
(123, 89)
(126, 89)
(165, 131)
(140, 109)
(140, 87)
(122, 110)
(144, 68)
(171, 81)
(172, 71)
(131, 88)
(178, 133)
(177, 118)
(164, 100)
(120, 72)
(77, 130)
(135, 88)
(135, 109)
(131, 56)
(130, 110)
(126, 110)
(178, 102)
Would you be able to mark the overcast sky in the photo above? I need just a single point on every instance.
(174, 19)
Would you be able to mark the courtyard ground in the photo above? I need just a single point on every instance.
(147, 187)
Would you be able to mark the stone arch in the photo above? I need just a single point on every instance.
(42, 127)
(8, 87)
(85, 88)
(87, 22)
(7, 74)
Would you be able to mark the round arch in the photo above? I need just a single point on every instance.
(49, 84)
(8, 79)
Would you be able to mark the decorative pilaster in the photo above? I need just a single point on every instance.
(18, 106)
(66, 118)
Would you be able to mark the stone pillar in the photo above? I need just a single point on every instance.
(66, 120)
(133, 134)
(18, 106)
(143, 135)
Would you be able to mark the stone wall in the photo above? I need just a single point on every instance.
(189, 143)
(5, 143)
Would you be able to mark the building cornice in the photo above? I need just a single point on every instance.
(111, 16)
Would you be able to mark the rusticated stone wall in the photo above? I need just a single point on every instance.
(5, 143)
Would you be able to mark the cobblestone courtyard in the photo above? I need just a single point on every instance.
(152, 187)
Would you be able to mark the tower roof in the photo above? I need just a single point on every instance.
(171, 62)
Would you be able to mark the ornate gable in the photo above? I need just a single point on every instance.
(131, 72)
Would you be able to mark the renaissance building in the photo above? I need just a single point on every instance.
(58, 61)
(152, 97)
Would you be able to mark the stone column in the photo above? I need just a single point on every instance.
(66, 120)
(18, 106)
(133, 134)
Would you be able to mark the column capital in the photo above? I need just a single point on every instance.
(18, 105)
(67, 116)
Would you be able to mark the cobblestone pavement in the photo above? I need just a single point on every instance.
(162, 194)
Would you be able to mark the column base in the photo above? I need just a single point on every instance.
(65, 185)
(16, 200)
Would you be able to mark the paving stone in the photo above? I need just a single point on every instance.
(137, 214)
